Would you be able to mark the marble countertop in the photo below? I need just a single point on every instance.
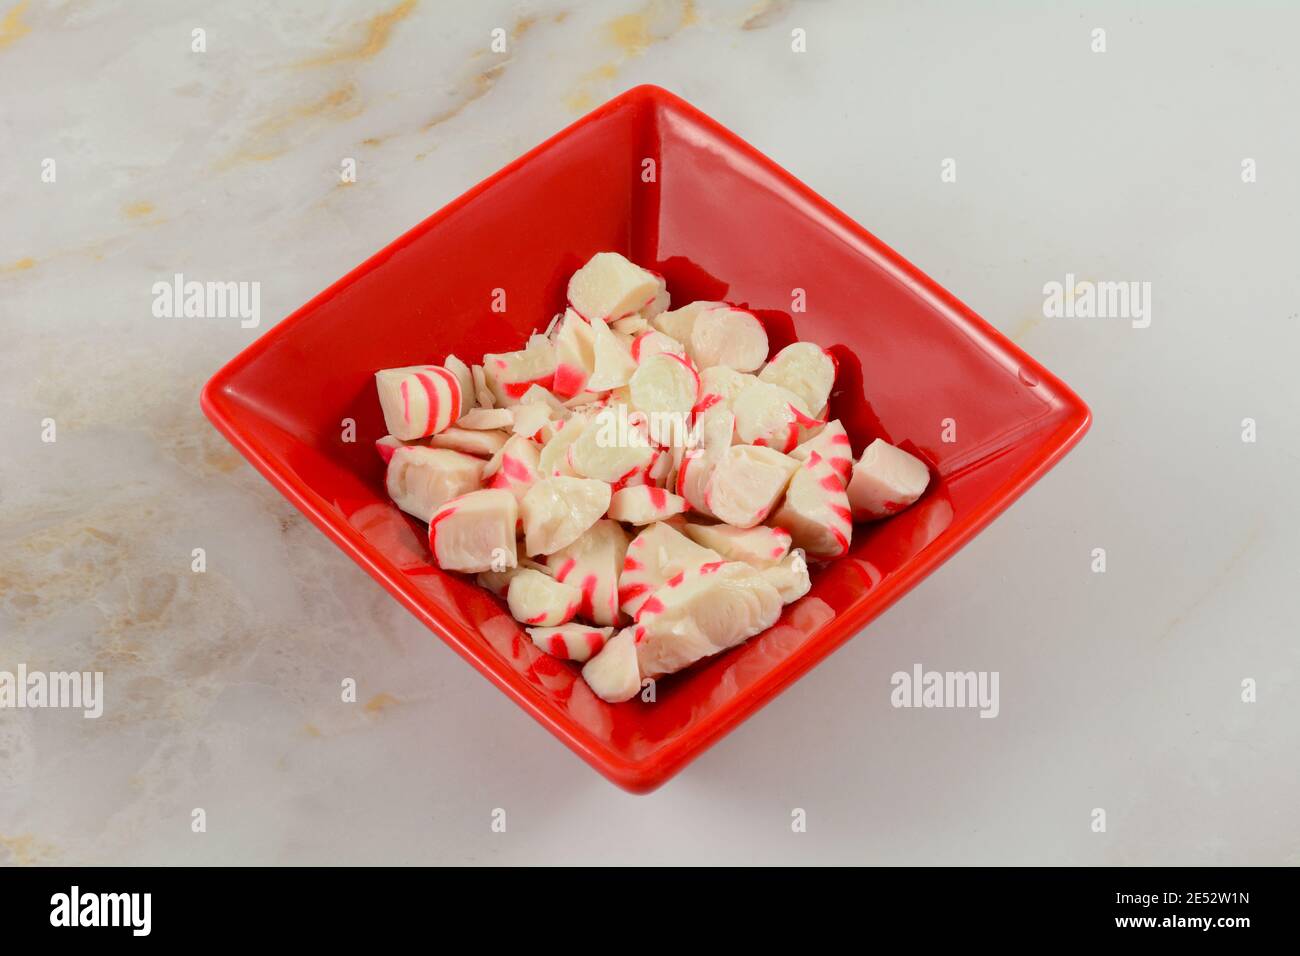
(1119, 690)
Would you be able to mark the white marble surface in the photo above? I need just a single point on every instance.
(1118, 690)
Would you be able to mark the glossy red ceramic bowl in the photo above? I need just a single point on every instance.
(719, 221)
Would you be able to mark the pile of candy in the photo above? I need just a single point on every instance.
(643, 487)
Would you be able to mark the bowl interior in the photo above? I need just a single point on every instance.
(649, 176)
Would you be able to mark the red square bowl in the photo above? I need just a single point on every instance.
(719, 221)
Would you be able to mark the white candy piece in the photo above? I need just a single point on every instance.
(614, 364)
(790, 577)
(808, 433)
(518, 467)
(644, 504)
(613, 448)
(586, 398)
(593, 564)
(831, 445)
(613, 674)
(664, 388)
(703, 612)
(511, 374)
(746, 484)
(475, 532)
(806, 369)
(652, 342)
(728, 336)
(482, 392)
(554, 459)
(676, 453)
(816, 511)
(575, 356)
(571, 642)
(655, 555)
(556, 511)
(485, 444)
(586, 404)
(420, 480)
(498, 582)
(715, 432)
(486, 419)
(630, 325)
(537, 395)
(662, 468)
(609, 287)
(680, 322)
(537, 598)
(493, 464)
(659, 304)
(466, 379)
(719, 387)
(418, 400)
(531, 419)
(769, 415)
(808, 430)
(762, 547)
(885, 480)
(388, 444)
